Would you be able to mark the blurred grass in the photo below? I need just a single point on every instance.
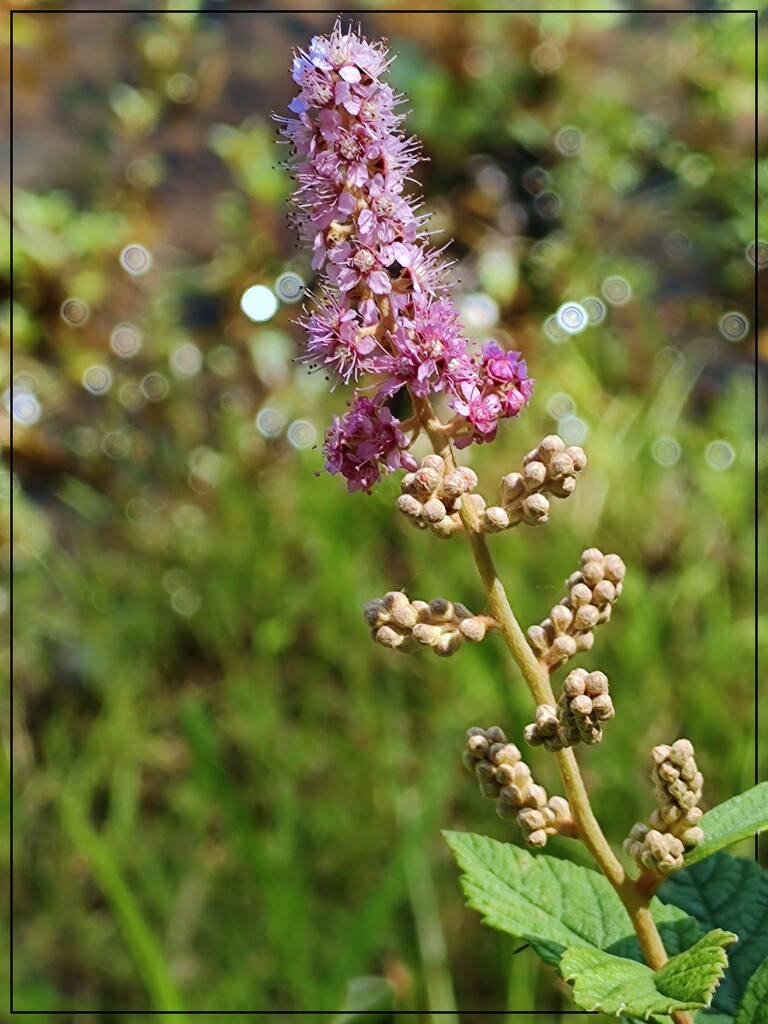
(225, 796)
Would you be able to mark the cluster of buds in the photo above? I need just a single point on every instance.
(673, 827)
(583, 706)
(431, 497)
(592, 591)
(549, 469)
(442, 625)
(506, 778)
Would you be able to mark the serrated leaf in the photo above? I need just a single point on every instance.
(738, 818)
(553, 904)
(754, 1005)
(726, 892)
(616, 985)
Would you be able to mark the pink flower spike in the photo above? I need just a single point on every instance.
(365, 444)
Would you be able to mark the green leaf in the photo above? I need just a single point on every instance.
(616, 985)
(754, 1005)
(553, 904)
(739, 818)
(726, 892)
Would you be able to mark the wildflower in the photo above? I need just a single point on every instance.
(365, 444)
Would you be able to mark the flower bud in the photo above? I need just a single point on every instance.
(448, 643)
(506, 810)
(409, 506)
(561, 808)
(549, 447)
(563, 647)
(427, 634)
(441, 609)
(562, 488)
(474, 730)
(506, 753)
(457, 483)
(389, 637)
(375, 614)
(468, 761)
(434, 510)
(604, 593)
(581, 705)
(478, 745)
(578, 458)
(535, 509)
(425, 483)
(531, 818)
(596, 683)
(537, 839)
(591, 555)
(532, 736)
(495, 519)
(473, 629)
(485, 771)
(404, 616)
(434, 462)
(692, 836)
(534, 475)
(512, 487)
(592, 573)
(602, 707)
(584, 641)
(536, 796)
(575, 683)
(460, 611)
(614, 568)
(546, 720)
(489, 790)
(560, 466)
(580, 595)
(447, 526)
(586, 617)
(561, 617)
(512, 796)
(537, 638)
(495, 734)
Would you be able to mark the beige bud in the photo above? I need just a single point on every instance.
(563, 647)
(435, 462)
(495, 519)
(615, 570)
(591, 555)
(507, 753)
(531, 818)
(561, 618)
(474, 730)
(537, 638)
(669, 814)
(426, 481)
(489, 790)
(505, 775)
(668, 772)
(596, 683)
(602, 707)
(603, 593)
(534, 475)
(485, 771)
(460, 611)
(581, 705)
(694, 816)
(496, 734)
(560, 466)
(512, 487)
(689, 799)
(549, 447)
(512, 796)
(537, 839)
(473, 629)
(575, 683)
(530, 456)
(448, 643)
(478, 745)
(469, 476)
(532, 736)
(580, 595)
(407, 483)
(422, 610)
(441, 609)
(404, 616)
(681, 751)
(455, 484)
(535, 796)
(604, 614)
(586, 617)
(506, 810)
(535, 509)
(546, 720)
(476, 502)
(688, 770)
(434, 510)
(562, 488)
(427, 634)
(573, 579)
(692, 836)
(468, 761)
(592, 573)
(409, 506)
(584, 641)
(447, 526)
(388, 637)
(561, 808)
(375, 613)
(577, 456)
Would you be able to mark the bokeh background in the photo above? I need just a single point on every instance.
(226, 796)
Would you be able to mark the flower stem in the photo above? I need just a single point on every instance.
(537, 677)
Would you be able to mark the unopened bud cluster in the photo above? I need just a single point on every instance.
(506, 778)
(549, 469)
(583, 706)
(673, 827)
(431, 497)
(592, 591)
(442, 625)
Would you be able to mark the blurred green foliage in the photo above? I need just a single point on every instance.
(226, 797)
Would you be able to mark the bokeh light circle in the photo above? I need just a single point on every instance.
(561, 405)
(572, 317)
(733, 326)
(666, 451)
(25, 408)
(301, 434)
(259, 303)
(136, 259)
(75, 312)
(97, 380)
(115, 445)
(569, 140)
(548, 205)
(720, 455)
(757, 254)
(155, 387)
(554, 331)
(596, 308)
(125, 340)
(186, 360)
(270, 421)
(289, 287)
(616, 290)
(185, 601)
(572, 429)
